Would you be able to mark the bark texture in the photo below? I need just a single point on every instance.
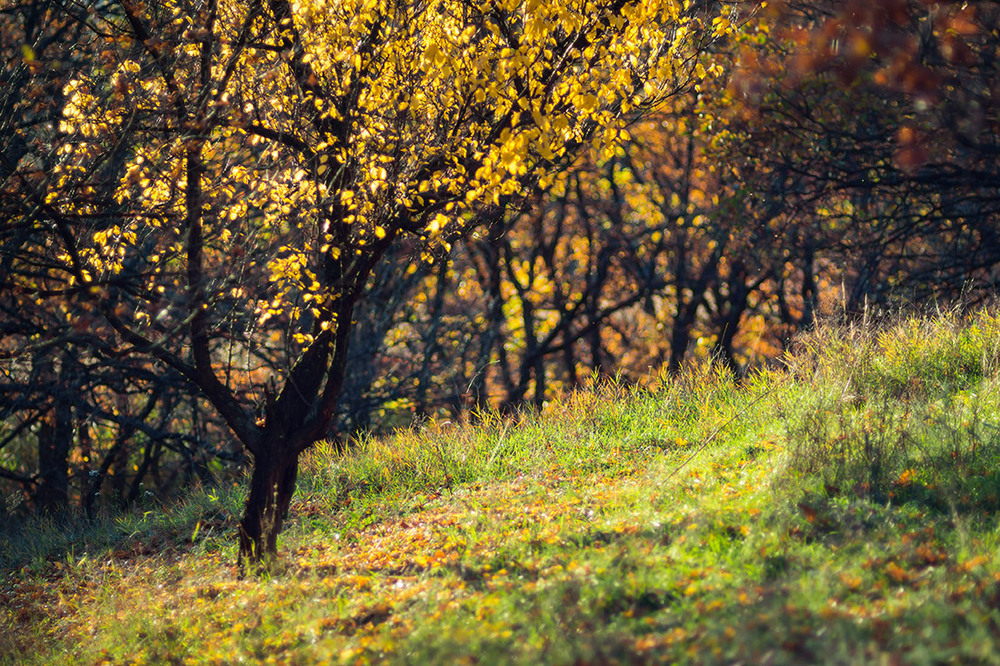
(272, 484)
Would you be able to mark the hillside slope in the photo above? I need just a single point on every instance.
(841, 510)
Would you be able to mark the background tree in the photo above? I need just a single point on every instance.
(75, 417)
(812, 185)
(875, 123)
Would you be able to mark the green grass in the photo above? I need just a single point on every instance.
(844, 510)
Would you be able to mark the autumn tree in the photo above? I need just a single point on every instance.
(27, 101)
(80, 421)
(265, 156)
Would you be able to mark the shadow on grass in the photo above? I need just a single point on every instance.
(205, 519)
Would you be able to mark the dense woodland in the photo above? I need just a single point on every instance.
(229, 230)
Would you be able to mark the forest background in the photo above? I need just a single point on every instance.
(799, 160)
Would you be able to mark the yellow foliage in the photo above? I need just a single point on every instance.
(321, 130)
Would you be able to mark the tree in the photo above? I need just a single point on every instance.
(64, 392)
(873, 126)
(231, 174)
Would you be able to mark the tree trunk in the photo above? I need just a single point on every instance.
(272, 484)
(680, 339)
(55, 439)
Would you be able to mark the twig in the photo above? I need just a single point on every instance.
(496, 448)
(716, 432)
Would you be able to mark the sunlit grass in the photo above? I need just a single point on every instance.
(842, 511)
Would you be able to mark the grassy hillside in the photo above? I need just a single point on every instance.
(843, 510)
